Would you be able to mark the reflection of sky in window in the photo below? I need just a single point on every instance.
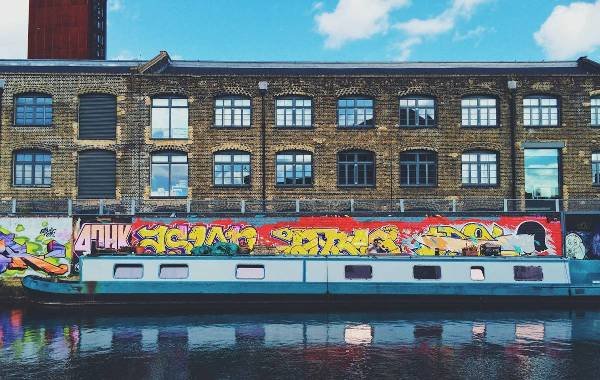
(541, 173)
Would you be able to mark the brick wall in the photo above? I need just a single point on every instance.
(134, 143)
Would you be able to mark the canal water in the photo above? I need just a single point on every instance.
(38, 344)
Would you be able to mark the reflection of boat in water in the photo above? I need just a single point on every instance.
(393, 281)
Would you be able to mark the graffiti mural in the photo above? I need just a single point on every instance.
(336, 235)
(35, 246)
(582, 240)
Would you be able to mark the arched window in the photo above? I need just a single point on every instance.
(169, 174)
(294, 111)
(232, 111)
(417, 111)
(355, 112)
(418, 168)
(356, 168)
(479, 111)
(595, 110)
(169, 117)
(294, 168)
(33, 109)
(32, 168)
(480, 168)
(540, 111)
(232, 168)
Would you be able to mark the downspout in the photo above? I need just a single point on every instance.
(512, 87)
(263, 87)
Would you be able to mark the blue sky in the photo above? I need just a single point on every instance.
(341, 30)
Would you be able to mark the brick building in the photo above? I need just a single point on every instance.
(173, 130)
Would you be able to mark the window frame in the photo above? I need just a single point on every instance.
(595, 165)
(89, 94)
(232, 97)
(418, 97)
(595, 109)
(419, 151)
(479, 152)
(294, 163)
(539, 106)
(170, 107)
(355, 163)
(33, 163)
(479, 107)
(33, 95)
(170, 154)
(294, 98)
(232, 153)
(354, 126)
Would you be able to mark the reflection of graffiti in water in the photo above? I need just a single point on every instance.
(31, 246)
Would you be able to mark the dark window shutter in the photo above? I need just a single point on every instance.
(97, 117)
(96, 174)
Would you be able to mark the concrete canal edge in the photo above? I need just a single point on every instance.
(11, 290)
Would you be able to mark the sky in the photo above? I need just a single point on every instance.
(337, 30)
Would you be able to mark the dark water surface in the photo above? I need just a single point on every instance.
(426, 345)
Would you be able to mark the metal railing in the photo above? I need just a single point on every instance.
(178, 207)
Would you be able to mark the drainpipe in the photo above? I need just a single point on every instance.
(512, 87)
(263, 87)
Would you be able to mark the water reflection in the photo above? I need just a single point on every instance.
(545, 344)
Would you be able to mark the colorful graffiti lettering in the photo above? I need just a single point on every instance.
(513, 235)
(31, 245)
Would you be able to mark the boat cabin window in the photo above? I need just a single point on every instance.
(173, 271)
(128, 271)
(477, 273)
(250, 272)
(358, 272)
(528, 273)
(427, 272)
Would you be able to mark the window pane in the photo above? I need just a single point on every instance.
(160, 123)
(179, 123)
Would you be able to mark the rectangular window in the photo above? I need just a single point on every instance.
(355, 112)
(232, 112)
(169, 175)
(294, 168)
(479, 111)
(358, 272)
(97, 116)
(173, 271)
(32, 168)
(418, 168)
(294, 112)
(477, 273)
(542, 176)
(427, 272)
(250, 272)
(169, 118)
(417, 112)
(528, 273)
(128, 271)
(231, 168)
(540, 111)
(595, 110)
(596, 168)
(356, 169)
(33, 110)
(479, 169)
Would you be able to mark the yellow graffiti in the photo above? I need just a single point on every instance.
(332, 241)
(182, 239)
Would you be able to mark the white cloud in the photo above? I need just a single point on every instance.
(570, 30)
(13, 29)
(473, 34)
(417, 29)
(124, 55)
(355, 20)
(115, 5)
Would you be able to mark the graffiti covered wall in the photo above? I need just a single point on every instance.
(582, 238)
(511, 235)
(39, 246)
